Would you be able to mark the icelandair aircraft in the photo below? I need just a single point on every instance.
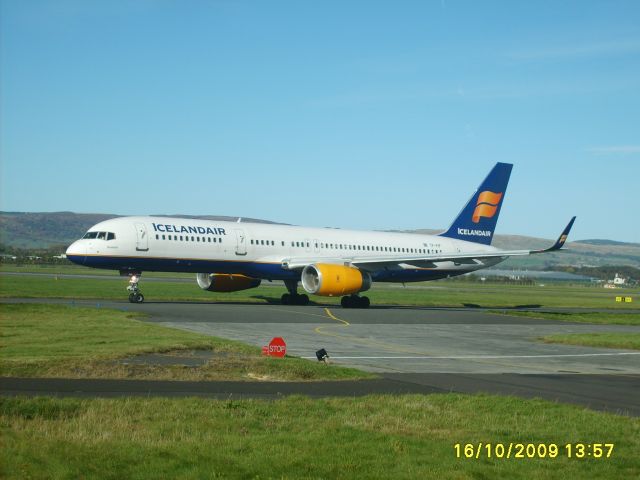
(230, 256)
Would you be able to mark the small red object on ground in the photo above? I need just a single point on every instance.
(276, 348)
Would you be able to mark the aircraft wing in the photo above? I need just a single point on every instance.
(425, 261)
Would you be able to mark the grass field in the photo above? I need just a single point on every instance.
(441, 293)
(73, 269)
(604, 318)
(63, 341)
(399, 437)
(607, 340)
(628, 340)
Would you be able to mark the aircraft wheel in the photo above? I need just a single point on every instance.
(285, 299)
(303, 299)
(346, 302)
(364, 302)
(139, 298)
(132, 297)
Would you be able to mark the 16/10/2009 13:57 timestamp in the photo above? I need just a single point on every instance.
(533, 450)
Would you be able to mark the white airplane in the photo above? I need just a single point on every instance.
(232, 256)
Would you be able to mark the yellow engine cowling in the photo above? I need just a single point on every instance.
(334, 280)
(222, 282)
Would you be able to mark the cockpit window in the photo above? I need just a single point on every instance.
(100, 235)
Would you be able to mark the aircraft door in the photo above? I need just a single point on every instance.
(241, 242)
(142, 239)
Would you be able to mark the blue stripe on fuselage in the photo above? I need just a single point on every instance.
(251, 269)
(271, 271)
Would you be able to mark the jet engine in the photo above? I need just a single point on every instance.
(222, 282)
(334, 280)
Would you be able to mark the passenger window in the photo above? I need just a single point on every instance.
(157, 236)
(169, 237)
(181, 238)
(252, 242)
(209, 239)
(163, 237)
(273, 244)
(283, 243)
(192, 239)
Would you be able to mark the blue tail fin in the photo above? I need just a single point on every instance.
(477, 221)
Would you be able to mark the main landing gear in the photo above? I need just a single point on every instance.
(135, 296)
(293, 297)
(355, 301)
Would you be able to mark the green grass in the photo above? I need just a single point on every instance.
(442, 293)
(604, 318)
(63, 341)
(608, 340)
(69, 268)
(399, 437)
(628, 340)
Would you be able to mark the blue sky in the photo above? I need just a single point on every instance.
(369, 115)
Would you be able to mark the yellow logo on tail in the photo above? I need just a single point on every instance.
(486, 206)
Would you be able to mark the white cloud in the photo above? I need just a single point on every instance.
(615, 150)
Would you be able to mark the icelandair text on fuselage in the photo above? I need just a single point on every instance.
(481, 233)
(183, 229)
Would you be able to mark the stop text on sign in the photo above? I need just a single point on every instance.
(276, 348)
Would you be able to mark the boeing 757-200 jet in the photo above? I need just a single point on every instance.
(231, 256)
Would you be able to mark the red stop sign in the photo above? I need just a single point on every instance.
(277, 347)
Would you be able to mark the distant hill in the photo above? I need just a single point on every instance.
(44, 230)
(607, 242)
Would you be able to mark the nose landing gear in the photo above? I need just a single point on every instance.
(135, 296)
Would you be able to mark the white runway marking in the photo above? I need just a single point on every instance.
(479, 357)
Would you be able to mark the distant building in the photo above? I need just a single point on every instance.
(523, 275)
(618, 280)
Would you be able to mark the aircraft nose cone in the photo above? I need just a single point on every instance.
(76, 252)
